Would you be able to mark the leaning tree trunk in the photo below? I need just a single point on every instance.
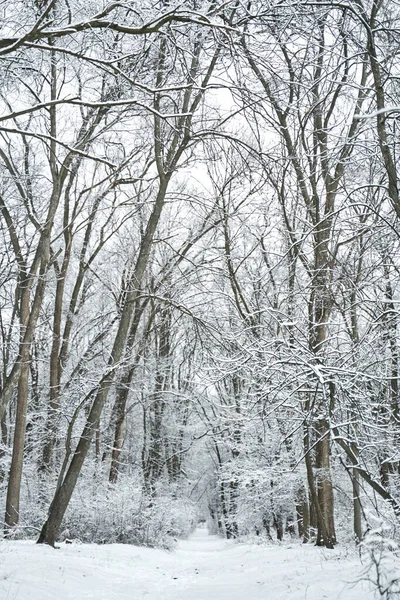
(63, 495)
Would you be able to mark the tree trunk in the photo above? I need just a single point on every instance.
(55, 371)
(122, 393)
(357, 523)
(119, 421)
(4, 441)
(323, 526)
(14, 481)
(306, 523)
(324, 486)
(155, 451)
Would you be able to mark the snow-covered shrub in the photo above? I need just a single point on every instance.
(383, 561)
(100, 512)
(266, 500)
(104, 513)
(34, 501)
(257, 496)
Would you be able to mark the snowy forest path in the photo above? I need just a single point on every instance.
(204, 567)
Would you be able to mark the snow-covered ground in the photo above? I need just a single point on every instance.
(201, 568)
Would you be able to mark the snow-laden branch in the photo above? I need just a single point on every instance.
(43, 30)
(49, 138)
(382, 111)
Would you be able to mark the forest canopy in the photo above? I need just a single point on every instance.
(199, 268)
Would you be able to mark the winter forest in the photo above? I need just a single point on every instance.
(199, 270)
